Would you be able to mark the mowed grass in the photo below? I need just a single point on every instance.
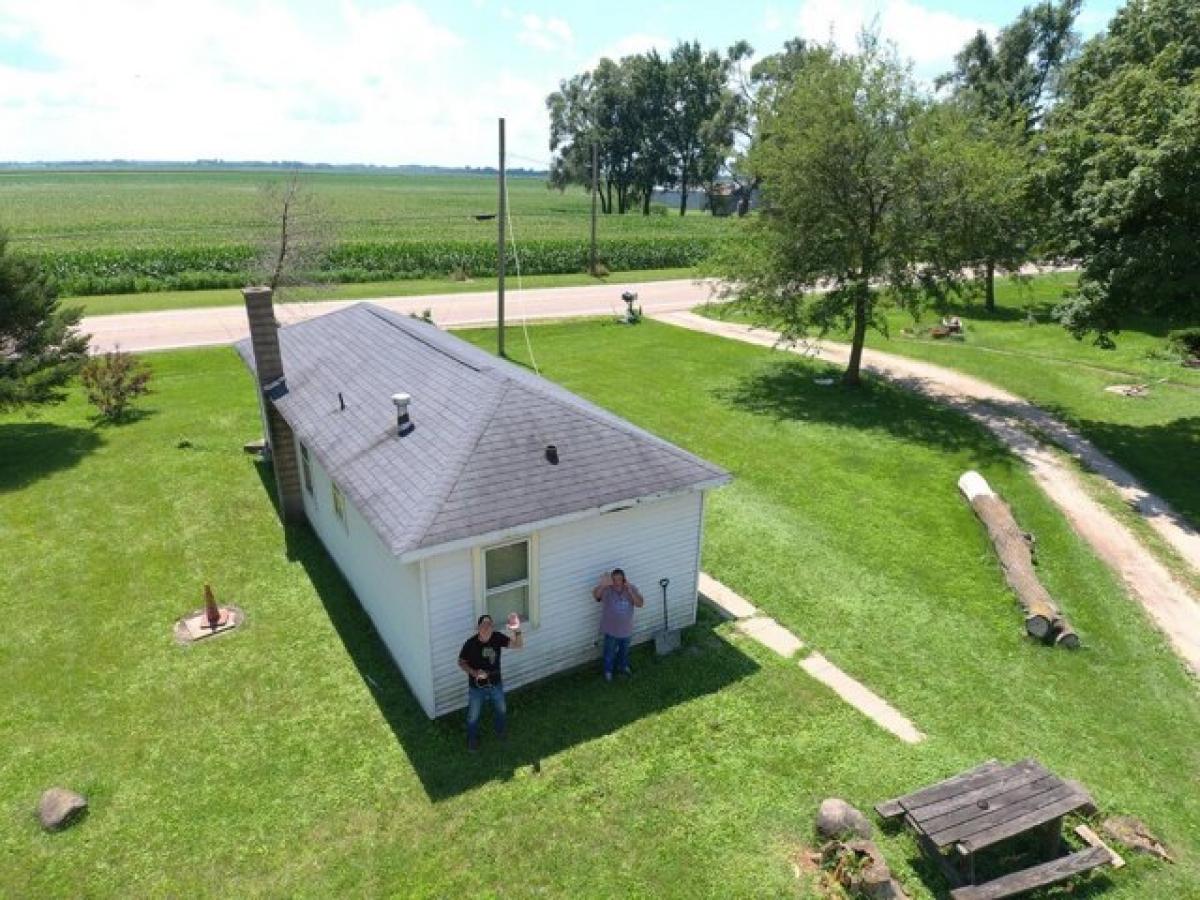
(127, 303)
(57, 211)
(289, 758)
(1156, 437)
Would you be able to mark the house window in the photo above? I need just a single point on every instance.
(506, 584)
(339, 504)
(306, 467)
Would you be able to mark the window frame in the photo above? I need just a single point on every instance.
(529, 582)
(339, 504)
(306, 470)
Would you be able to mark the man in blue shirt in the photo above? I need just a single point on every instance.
(619, 599)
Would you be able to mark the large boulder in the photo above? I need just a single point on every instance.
(59, 808)
(836, 818)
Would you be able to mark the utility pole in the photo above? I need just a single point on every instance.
(502, 261)
(595, 177)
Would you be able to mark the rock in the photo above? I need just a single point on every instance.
(837, 817)
(877, 883)
(60, 808)
(1135, 835)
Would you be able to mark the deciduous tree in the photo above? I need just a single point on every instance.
(849, 186)
(657, 123)
(1007, 84)
(296, 236)
(1122, 167)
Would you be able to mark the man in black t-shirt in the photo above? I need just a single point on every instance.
(480, 659)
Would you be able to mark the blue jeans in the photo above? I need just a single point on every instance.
(616, 654)
(475, 698)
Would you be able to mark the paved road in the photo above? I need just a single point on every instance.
(226, 324)
(1169, 602)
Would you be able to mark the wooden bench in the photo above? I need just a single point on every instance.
(1038, 876)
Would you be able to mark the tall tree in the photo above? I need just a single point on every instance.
(1122, 165)
(700, 115)
(755, 88)
(984, 215)
(1018, 75)
(1008, 84)
(595, 107)
(849, 181)
(657, 122)
(649, 88)
(574, 128)
(41, 348)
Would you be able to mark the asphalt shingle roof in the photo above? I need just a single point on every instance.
(475, 460)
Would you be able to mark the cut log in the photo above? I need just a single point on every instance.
(1014, 548)
(1066, 636)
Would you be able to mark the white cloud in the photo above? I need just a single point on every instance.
(930, 38)
(549, 34)
(164, 80)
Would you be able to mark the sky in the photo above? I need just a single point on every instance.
(378, 81)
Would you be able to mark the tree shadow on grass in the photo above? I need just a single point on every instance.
(789, 389)
(1164, 457)
(546, 718)
(32, 450)
(129, 417)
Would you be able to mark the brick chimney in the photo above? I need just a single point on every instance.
(268, 365)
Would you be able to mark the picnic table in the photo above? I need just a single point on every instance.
(991, 803)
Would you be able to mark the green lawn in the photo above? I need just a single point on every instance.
(1156, 437)
(148, 302)
(289, 759)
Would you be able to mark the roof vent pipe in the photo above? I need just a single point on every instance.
(552, 454)
(403, 422)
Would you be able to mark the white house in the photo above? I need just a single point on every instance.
(480, 488)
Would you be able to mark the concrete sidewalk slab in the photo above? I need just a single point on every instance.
(861, 698)
(771, 635)
(724, 600)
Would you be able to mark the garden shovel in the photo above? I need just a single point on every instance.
(667, 640)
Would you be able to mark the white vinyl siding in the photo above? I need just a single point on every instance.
(650, 541)
(389, 591)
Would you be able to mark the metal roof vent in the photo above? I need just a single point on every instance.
(403, 422)
(552, 454)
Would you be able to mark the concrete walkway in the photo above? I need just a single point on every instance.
(174, 328)
(1169, 602)
(778, 639)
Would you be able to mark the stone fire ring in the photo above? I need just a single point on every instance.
(194, 626)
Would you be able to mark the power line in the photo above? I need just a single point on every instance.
(545, 163)
(520, 287)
